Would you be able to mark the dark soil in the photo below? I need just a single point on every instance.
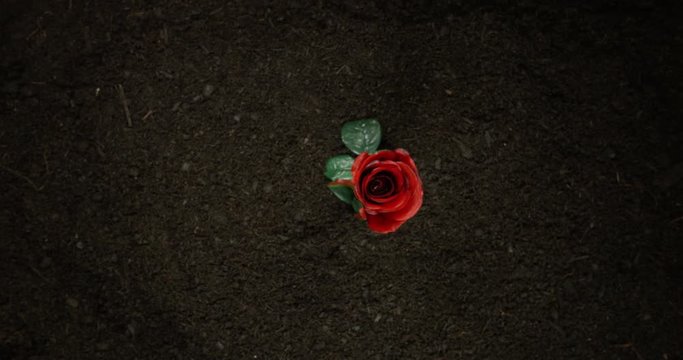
(549, 139)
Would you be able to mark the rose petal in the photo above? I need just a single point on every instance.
(404, 194)
(404, 157)
(372, 170)
(358, 166)
(393, 171)
(385, 213)
(410, 209)
(413, 204)
(390, 204)
(383, 225)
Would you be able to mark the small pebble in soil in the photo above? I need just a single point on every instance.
(219, 345)
(488, 138)
(45, 262)
(72, 302)
(130, 329)
(437, 164)
(208, 90)
(267, 188)
(80, 245)
(465, 151)
(220, 218)
(82, 146)
(185, 167)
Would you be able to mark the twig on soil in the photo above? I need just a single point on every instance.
(47, 166)
(39, 274)
(124, 102)
(22, 176)
(148, 114)
(680, 218)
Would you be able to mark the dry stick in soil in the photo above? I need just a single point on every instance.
(124, 102)
(22, 176)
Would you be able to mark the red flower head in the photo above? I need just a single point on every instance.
(388, 186)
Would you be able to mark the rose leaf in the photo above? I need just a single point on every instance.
(344, 193)
(339, 167)
(356, 204)
(362, 135)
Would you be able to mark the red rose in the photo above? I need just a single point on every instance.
(388, 186)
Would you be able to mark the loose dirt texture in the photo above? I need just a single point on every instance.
(162, 190)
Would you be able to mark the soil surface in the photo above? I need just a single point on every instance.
(162, 191)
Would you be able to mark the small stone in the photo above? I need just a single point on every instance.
(80, 245)
(208, 90)
(356, 328)
(488, 138)
(130, 328)
(185, 167)
(465, 151)
(219, 345)
(220, 218)
(82, 146)
(267, 188)
(72, 302)
(437, 164)
(10, 88)
(45, 262)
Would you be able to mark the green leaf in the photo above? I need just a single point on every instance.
(362, 135)
(344, 193)
(356, 204)
(339, 167)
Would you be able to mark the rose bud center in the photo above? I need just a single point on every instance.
(381, 185)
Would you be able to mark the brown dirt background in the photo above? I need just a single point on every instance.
(548, 136)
